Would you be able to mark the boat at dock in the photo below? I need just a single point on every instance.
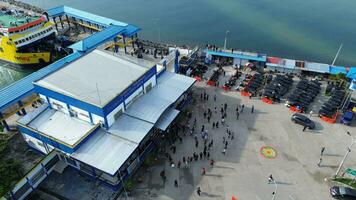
(27, 39)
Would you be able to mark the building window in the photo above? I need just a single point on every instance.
(73, 113)
(58, 106)
(148, 87)
(117, 115)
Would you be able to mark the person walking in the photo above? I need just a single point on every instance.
(175, 183)
(322, 151)
(214, 97)
(198, 191)
(217, 124)
(209, 119)
(225, 106)
(208, 155)
(201, 155)
(196, 143)
(178, 164)
(212, 162)
(237, 115)
(252, 108)
(213, 125)
(242, 108)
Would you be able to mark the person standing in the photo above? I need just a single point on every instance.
(214, 97)
(196, 143)
(175, 183)
(203, 171)
(224, 151)
(252, 108)
(320, 160)
(305, 127)
(311, 113)
(242, 108)
(217, 124)
(237, 115)
(270, 179)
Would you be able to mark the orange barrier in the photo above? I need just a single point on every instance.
(329, 120)
(225, 88)
(267, 100)
(295, 109)
(211, 83)
(197, 78)
(245, 94)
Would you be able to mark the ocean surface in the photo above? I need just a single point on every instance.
(307, 30)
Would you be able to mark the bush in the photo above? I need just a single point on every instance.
(149, 160)
(129, 184)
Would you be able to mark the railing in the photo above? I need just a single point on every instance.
(33, 178)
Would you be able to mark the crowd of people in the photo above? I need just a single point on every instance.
(199, 127)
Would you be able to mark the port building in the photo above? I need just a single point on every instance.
(103, 113)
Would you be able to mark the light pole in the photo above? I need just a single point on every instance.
(275, 190)
(159, 29)
(227, 32)
(346, 154)
(122, 182)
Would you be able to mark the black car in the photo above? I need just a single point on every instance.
(303, 120)
(343, 193)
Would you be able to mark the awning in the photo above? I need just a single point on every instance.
(166, 119)
(130, 128)
(338, 70)
(105, 151)
(169, 88)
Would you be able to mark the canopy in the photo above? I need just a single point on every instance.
(166, 119)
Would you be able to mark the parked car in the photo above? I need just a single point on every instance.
(347, 117)
(344, 193)
(303, 120)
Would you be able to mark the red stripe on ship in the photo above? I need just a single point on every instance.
(28, 24)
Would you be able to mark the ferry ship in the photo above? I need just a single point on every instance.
(27, 40)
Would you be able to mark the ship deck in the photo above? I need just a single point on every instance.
(20, 19)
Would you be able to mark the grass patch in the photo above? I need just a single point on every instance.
(10, 170)
(346, 181)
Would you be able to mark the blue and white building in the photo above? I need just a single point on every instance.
(102, 112)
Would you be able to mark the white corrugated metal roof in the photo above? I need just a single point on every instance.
(60, 126)
(150, 106)
(105, 152)
(95, 78)
(130, 128)
(166, 119)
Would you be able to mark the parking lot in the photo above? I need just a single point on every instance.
(244, 171)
